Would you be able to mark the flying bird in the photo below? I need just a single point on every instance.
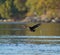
(39, 21)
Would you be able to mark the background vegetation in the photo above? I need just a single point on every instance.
(23, 8)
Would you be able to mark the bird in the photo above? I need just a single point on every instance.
(32, 29)
(39, 20)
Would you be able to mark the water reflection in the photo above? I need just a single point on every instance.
(12, 29)
(50, 29)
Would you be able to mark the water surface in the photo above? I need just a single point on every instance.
(30, 49)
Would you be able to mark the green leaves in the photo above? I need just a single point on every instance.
(42, 6)
(5, 9)
(9, 8)
(22, 8)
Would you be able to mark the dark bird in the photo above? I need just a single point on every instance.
(34, 27)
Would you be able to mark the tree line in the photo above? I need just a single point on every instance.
(19, 9)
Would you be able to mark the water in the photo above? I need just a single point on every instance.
(30, 49)
(29, 39)
(20, 48)
(17, 28)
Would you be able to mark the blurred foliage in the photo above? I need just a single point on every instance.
(20, 5)
(23, 8)
(2, 1)
(12, 8)
(5, 9)
(43, 6)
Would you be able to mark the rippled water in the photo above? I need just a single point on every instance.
(29, 49)
(29, 39)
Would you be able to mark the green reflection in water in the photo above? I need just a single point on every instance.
(45, 29)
